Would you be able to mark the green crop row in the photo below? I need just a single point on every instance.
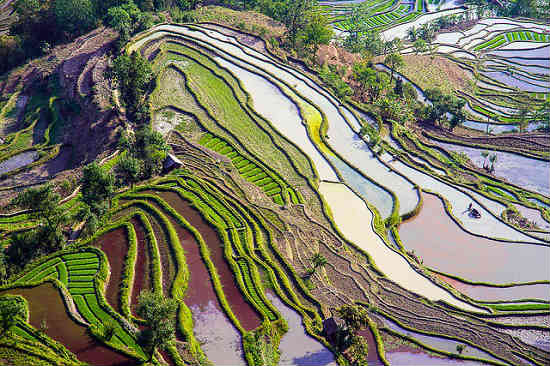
(238, 212)
(88, 299)
(249, 116)
(260, 176)
(245, 272)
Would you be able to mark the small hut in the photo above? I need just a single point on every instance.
(331, 327)
(170, 163)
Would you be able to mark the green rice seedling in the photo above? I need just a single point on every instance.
(94, 266)
(278, 199)
(257, 177)
(81, 278)
(263, 182)
(273, 191)
(83, 272)
(84, 309)
(81, 285)
(78, 256)
(63, 273)
(522, 36)
(82, 290)
(270, 186)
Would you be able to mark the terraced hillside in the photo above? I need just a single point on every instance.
(278, 214)
(507, 59)
(383, 15)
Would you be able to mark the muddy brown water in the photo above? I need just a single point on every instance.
(45, 303)
(115, 245)
(372, 357)
(246, 314)
(444, 246)
(142, 272)
(487, 293)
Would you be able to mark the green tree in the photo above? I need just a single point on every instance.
(44, 207)
(523, 116)
(159, 314)
(318, 260)
(420, 46)
(395, 62)
(74, 16)
(317, 32)
(133, 74)
(370, 81)
(354, 316)
(296, 15)
(97, 186)
(11, 309)
(151, 148)
(129, 169)
(442, 104)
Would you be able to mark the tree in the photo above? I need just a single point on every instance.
(129, 168)
(44, 205)
(420, 46)
(159, 314)
(295, 16)
(354, 316)
(151, 149)
(97, 186)
(444, 104)
(11, 309)
(412, 34)
(492, 160)
(460, 348)
(523, 116)
(134, 76)
(318, 261)
(189, 4)
(74, 16)
(398, 90)
(317, 32)
(370, 81)
(395, 62)
(22, 249)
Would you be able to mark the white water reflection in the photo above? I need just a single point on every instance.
(297, 347)
(220, 340)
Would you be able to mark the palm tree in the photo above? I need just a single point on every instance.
(523, 119)
(493, 159)
(412, 34)
(485, 154)
(395, 62)
(318, 261)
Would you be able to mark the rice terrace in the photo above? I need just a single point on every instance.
(275, 182)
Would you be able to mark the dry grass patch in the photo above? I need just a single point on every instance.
(438, 72)
(251, 21)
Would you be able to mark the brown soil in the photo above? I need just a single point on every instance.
(339, 57)
(115, 245)
(373, 358)
(92, 131)
(45, 303)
